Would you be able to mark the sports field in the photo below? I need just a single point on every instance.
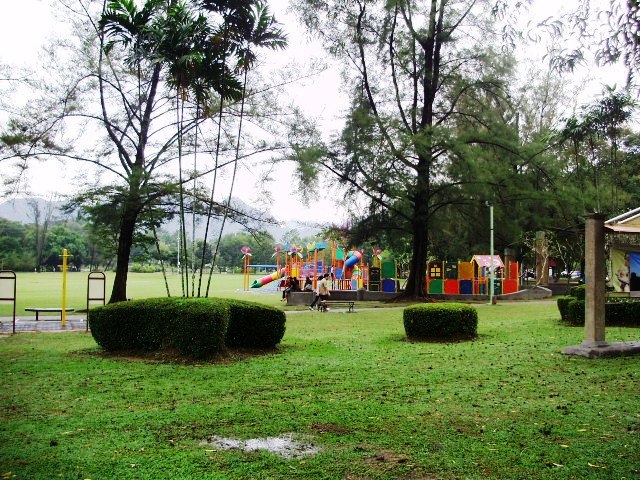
(45, 289)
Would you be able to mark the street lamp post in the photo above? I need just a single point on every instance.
(491, 266)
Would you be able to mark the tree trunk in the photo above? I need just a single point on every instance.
(416, 283)
(125, 242)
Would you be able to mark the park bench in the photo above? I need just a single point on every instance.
(349, 304)
(40, 310)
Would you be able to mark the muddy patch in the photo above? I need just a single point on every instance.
(286, 445)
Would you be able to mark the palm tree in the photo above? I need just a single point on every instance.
(193, 57)
(236, 15)
(262, 32)
(154, 38)
(183, 38)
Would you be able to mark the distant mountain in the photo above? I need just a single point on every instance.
(303, 229)
(21, 210)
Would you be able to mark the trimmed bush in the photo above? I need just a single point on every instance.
(575, 312)
(619, 312)
(578, 291)
(253, 325)
(437, 321)
(136, 325)
(623, 314)
(195, 327)
(199, 327)
(563, 304)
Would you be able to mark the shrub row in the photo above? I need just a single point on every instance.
(578, 291)
(563, 305)
(616, 314)
(194, 327)
(435, 321)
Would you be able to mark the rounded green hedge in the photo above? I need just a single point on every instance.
(253, 325)
(623, 314)
(436, 321)
(133, 325)
(578, 291)
(199, 327)
(195, 327)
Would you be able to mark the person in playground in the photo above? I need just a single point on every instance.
(294, 286)
(323, 291)
(286, 283)
(308, 284)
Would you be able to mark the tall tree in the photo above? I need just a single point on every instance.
(113, 109)
(606, 29)
(41, 213)
(593, 138)
(417, 115)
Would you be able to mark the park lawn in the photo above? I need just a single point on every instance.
(45, 289)
(505, 406)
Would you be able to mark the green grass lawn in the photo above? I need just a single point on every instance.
(45, 289)
(505, 406)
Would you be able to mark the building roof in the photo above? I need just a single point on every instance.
(628, 222)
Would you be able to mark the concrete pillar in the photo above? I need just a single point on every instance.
(595, 281)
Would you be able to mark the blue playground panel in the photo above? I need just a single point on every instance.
(466, 287)
(389, 285)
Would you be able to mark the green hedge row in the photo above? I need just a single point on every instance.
(563, 306)
(194, 327)
(435, 321)
(616, 314)
(578, 291)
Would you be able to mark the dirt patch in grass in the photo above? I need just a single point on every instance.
(387, 457)
(330, 428)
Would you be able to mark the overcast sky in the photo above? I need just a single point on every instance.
(25, 25)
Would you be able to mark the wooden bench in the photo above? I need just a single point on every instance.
(350, 304)
(40, 310)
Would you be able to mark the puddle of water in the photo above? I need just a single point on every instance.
(285, 445)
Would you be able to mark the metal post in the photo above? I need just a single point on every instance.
(63, 315)
(491, 266)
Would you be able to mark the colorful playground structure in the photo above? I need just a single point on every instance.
(357, 269)
(472, 278)
(349, 269)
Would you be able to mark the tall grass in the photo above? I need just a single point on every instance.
(505, 406)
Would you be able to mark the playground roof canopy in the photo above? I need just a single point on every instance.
(485, 261)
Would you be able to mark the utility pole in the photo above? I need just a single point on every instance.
(491, 266)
